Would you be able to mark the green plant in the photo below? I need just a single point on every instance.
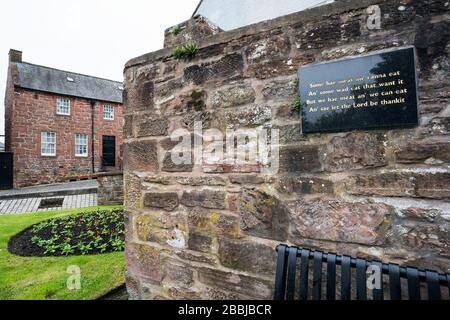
(89, 232)
(186, 52)
(118, 244)
(296, 104)
(33, 277)
(84, 248)
(67, 249)
(176, 30)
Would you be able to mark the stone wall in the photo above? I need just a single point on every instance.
(110, 188)
(209, 231)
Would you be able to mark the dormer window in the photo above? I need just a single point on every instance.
(63, 107)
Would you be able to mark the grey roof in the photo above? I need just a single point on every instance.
(61, 82)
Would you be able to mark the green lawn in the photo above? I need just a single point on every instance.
(39, 278)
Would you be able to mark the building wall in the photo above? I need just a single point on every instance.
(232, 14)
(198, 232)
(110, 188)
(35, 112)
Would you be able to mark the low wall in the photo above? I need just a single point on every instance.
(208, 231)
(110, 188)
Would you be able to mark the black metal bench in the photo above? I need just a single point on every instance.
(287, 288)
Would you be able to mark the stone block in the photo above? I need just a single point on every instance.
(128, 127)
(132, 190)
(247, 256)
(285, 89)
(300, 159)
(201, 181)
(433, 185)
(169, 166)
(199, 242)
(233, 96)
(304, 184)
(356, 150)
(390, 184)
(151, 126)
(213, 223)
(144, 261)
(227, 68)
(424, 152)
(248, 116)
(139, 97)
(240, 284)
(162, 200)
(177, 273)
(362, 223)
(246, 179)
(263, 215)
(141, 156)
(204, 198)
(160, 227)
(195, 29)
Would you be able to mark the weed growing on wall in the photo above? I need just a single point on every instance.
(186, 52)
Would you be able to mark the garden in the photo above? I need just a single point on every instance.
(37, 249)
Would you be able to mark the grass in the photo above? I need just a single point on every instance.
(38, 278)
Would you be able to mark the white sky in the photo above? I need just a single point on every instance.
(94, 37)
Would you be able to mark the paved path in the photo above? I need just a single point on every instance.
(78, 194)
(67, 188)
(24, 205)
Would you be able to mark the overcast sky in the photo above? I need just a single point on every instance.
(94, 37)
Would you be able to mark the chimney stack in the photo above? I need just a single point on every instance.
(15, 55)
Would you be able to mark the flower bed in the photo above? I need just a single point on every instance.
(82, 234)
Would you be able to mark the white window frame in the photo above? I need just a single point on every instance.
(110, 112)
(63, 104)
(46, 142)
(81, 143)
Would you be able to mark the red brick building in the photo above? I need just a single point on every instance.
(60, 124)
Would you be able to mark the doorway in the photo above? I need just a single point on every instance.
(109, 151)
(6, 170)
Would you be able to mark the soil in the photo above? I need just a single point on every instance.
(116, 294)
(22, 245)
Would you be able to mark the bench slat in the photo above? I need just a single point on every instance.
(286, 277)
(304, 267)
(331, 276)
(346, 278)
(448, 284)
(317, 275)
(434, 288)
(280, 277)
(412, 274)
(395, 288)
(292, 259)
(361, 290)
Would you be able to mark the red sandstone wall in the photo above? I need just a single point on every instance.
(209, 232)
